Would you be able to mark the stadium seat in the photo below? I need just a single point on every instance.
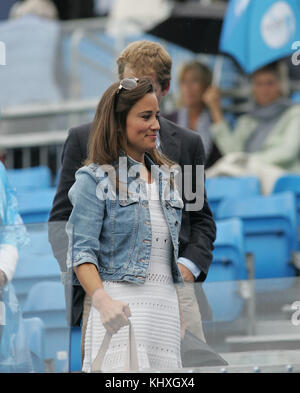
(295, 97)
(30, 179)
(219, 188)
(47, 296)
(36, 262)
(270, 228)
(228, 266)
(35, 332)
(35, 205)
(290, 183)
(46, 300)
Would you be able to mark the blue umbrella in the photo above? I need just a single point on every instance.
(258, 32)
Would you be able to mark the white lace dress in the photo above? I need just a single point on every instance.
(154, 309)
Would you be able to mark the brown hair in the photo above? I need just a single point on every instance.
(203, 73)
(279, 70)
(108, 134)
(274, 68)
(146, 58)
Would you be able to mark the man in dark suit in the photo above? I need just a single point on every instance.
(198, 230)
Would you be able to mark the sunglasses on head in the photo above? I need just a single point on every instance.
(128, 84)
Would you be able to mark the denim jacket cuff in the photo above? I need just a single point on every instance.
(84, 257)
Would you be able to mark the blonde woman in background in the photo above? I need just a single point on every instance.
(194, 80)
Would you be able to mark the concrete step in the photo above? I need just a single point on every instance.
(259, 358)
(264, 342)
(276, 327)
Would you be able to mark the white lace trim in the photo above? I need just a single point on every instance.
(150, 356)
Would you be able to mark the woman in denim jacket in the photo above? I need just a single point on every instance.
(123, 233)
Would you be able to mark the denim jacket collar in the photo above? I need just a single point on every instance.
(161, 175)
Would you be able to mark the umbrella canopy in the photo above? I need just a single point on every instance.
(258, 32)
(193, 27)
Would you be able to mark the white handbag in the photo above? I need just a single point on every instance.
(131, 361)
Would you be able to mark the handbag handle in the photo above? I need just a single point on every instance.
(131, 361)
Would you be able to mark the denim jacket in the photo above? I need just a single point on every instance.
(114, 233)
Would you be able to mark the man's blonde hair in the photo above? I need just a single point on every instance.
(146, 58)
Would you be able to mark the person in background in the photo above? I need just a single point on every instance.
(270, 131)
(194, 79)
(42, 8)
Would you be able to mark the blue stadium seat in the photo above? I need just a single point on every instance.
(290, 183)
(295, 97)
(270, 229)
(46, 300)
(30, 179)
(228, 266)
(219, 188)
(36, 262)
(35, 205)
(35, 332)
(47, 296)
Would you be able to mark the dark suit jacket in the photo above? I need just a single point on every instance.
(198, 230)
(215, 153)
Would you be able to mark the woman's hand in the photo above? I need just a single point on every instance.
(114, 313)
(211, 99)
